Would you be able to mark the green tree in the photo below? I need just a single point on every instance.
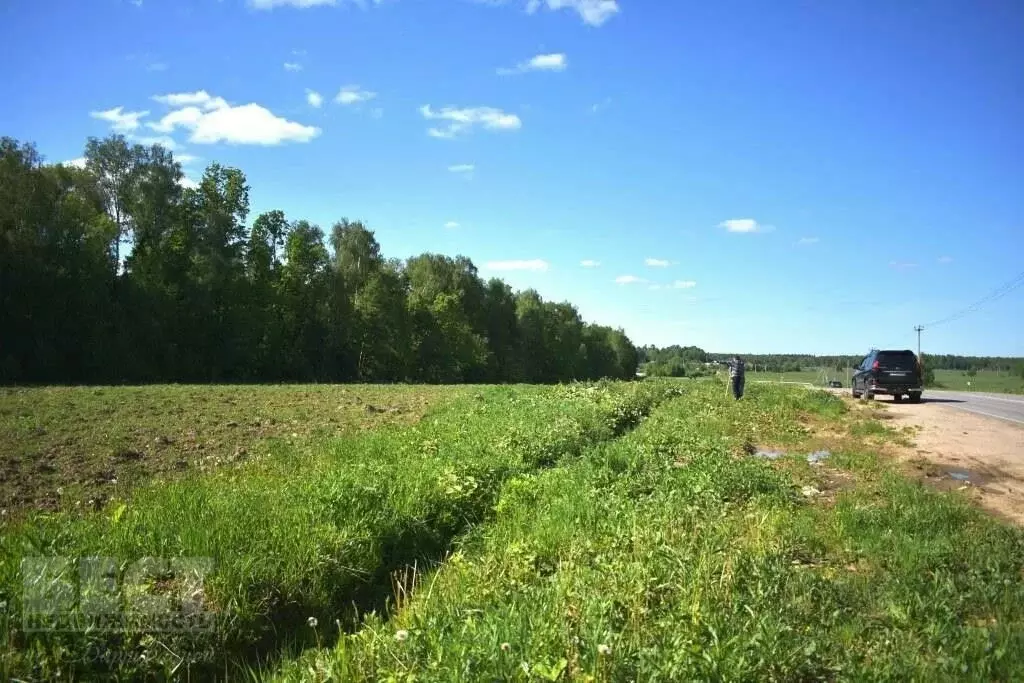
(115, 272)
(116, 165)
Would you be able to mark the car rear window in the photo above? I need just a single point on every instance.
(897, 359)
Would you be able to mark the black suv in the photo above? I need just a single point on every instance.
(897, 373)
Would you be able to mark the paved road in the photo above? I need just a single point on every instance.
(1002, 406)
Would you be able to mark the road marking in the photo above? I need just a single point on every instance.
(986, 397)
(981, 397)
(982, 412)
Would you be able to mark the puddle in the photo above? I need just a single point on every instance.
(769, 455)
(816, 457)
(967, 477)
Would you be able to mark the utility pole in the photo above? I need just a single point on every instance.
(918, 330)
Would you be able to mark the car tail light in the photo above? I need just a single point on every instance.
(874, 366)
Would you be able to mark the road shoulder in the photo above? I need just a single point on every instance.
(954, 449)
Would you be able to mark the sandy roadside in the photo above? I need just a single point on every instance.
(957, 449)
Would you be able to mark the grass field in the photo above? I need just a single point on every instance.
(591, 532)
(995, 382)
(804, 376)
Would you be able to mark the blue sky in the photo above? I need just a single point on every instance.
(750, 176)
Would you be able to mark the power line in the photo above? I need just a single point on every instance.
(994, 295)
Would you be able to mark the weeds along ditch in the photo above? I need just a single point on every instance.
(669, 555)
(308, 536)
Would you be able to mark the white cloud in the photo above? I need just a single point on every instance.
(803, 241)
(654, 287)
(187, 117)
(548, 62)
(377, 112)
(76, 163)
(451, 225)
(156, 66)
(461, 120)
(744, 225)
(684, 284)
(188, 183)
(353, 94)
(656, 263)
(211, 120)
(590, 263)
(534, 264)
(292, 66)
(462, 168)
(164, 141)
(186, 158)
(593, 12)
(945, 259)
(121, 121)
(314, 98)
(628, 280)
(199, 98)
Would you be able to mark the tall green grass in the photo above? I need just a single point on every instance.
(665, 556)
(311, 534)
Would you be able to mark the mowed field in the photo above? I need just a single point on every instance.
(592, 532)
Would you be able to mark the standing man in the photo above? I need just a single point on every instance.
(737, 376)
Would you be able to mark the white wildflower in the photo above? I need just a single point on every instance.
(401, 635)
(505, 647)
(312, 622)
(604, 649)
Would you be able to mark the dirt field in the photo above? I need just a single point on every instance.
(79, 447)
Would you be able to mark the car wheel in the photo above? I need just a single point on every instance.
(853, 392)
(915, 397)
(868, 396)
(898, 398)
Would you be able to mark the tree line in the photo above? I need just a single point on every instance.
(115, 272)
(679, 361)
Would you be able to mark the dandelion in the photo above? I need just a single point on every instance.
(604, 649)
(114, 480)
(295, 435)
(505, 647)
(337, 624)
(401, 635)
(312, 622)
(60, 490)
